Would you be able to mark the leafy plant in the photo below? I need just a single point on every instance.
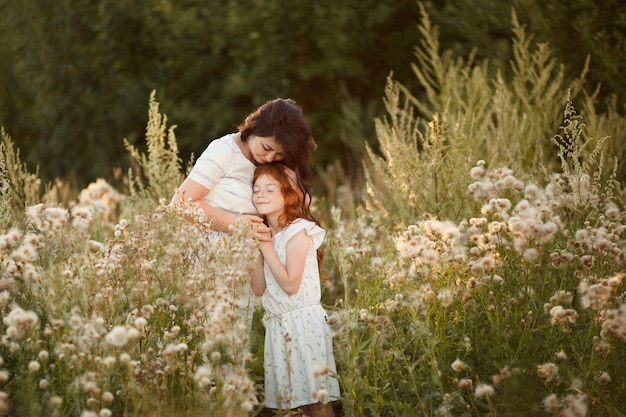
(18, 187)
(158, 172)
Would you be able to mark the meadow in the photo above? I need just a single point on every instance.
(477, 271)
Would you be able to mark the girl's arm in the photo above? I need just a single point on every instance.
(289, 276)
(257, 282)
(194, 192)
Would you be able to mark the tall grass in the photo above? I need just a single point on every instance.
(483, 275)
(490, 280)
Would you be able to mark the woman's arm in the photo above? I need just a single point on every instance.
(193, 192)
(289, 276)
(257, 281)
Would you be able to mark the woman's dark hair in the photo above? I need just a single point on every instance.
(284, 120)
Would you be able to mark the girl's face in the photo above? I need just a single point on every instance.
(265, 149)
(267, 197)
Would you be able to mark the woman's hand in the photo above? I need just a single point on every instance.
(254, 220)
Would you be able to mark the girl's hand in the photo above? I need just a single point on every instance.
(263, 234)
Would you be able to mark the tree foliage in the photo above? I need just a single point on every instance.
(81, 71)
(76, 74)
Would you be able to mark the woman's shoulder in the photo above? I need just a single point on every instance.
(221, 150)
(225, 142)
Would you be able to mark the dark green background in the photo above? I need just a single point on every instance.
(75, 75)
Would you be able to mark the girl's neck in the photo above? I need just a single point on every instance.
(272, 221)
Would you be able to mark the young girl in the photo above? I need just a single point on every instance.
(299, 361)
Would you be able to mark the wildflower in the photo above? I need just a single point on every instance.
(34, 366)
(495, 227)
(559, 315)
(482, 190)
(551, 403)
(560, 356)
(4, 375)
(22, 320)
(322, 394)
(445, 297)
(107, 397)
(109, 361)
(203, 376)
(12, 332)
(247, 406)
(614, 323)
(320, 371)
(10, 239)
(105, 412)
(140, 323)
(485, 264)
(56, 401)
(612, 212)
(562, 297)
(575, 405)
(5, 297)
(81, 217)
(530, 254)
(466, 384)
(132, 333)
(57, 216)
(587, 261)
(118, 336)
(458, 365)
(483, 391)
(504, 374)
(91, 387)
(615, 281)
(170, 350)
(26, 253)
(510, 182)
(477, 172)
(603, 379)
(594, 296)
(36, 215)
(548, 371)
(101, 196)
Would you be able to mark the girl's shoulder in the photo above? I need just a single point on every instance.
(310, 227)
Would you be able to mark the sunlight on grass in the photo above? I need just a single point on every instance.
(482, 275)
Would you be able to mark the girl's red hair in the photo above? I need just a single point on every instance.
(297, 201)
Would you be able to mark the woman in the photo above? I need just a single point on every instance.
(220, 182)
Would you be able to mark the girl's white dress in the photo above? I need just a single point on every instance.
(299, 359)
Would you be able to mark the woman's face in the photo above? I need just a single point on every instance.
(264, 150)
